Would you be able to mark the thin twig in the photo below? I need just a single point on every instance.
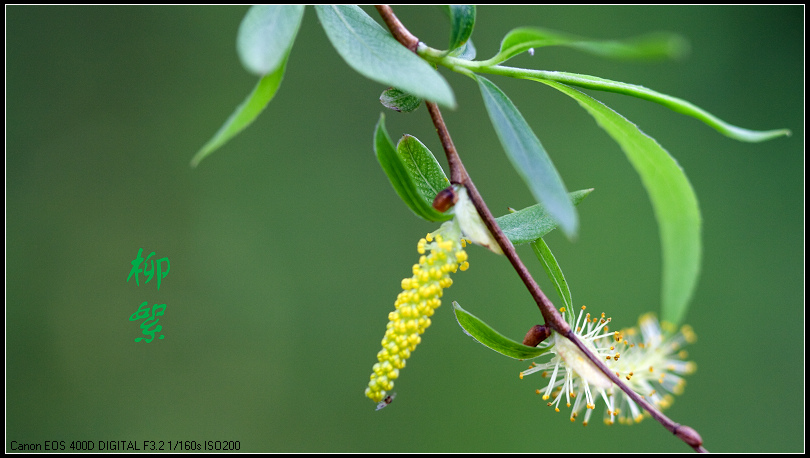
(403, 35)
(552, 317)
(457, 169)
(457, 172)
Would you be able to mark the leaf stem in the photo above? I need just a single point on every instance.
(601, 84)
(551, 316)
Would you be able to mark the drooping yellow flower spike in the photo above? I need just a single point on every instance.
(442, 253)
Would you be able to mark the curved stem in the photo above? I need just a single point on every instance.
(552, 317)
(601, 84)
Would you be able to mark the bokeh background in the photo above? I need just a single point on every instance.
(288, 245)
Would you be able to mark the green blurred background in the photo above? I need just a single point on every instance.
(287, 246)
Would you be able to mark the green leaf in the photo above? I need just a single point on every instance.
(651, 46)
(244, 114)
(673, 200)
(673, 103)
(374, 53)
(265, 39)
(466, 52)
(531, 223)
(397, 100)
(528, 156)
(266, 35)
(553, 270)
(423, 168)
(659, 45)
(490, 338)
(400, 177)
(462, 20)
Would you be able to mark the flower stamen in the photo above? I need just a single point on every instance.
(652, 361)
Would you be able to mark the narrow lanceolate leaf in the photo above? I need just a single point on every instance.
(400, 177)
(244, 114)
(673, 199)
(459, 15)
(528, 156)
(374, 53)
(466, 52)
(423, 168)
(531, 223)
(673, 103)
(397, 100)
(265, 38)
(266, 35)
(553, 270)
(491, 338)
(462, 21)
(659, 45)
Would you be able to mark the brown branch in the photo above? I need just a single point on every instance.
(403, 35)
(552, 317)
(459, 173)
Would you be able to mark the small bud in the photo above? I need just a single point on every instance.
(445, 199)
(688, 435)
(536, 334)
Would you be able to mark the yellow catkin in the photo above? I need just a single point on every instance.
(442, 254)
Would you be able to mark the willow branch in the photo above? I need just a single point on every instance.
(553, 319)
(459, 173)
(550, 315)
(403, 35)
